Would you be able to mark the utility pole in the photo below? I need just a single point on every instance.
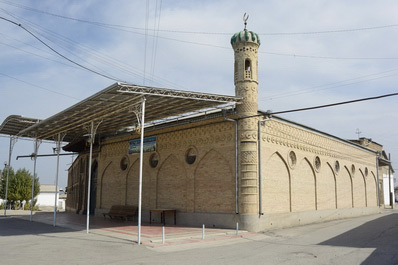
(359, 133)
(389, 181)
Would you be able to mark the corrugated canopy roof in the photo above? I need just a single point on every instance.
(115, 106)
(13, 124)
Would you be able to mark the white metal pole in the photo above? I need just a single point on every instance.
(163, 239)
(141, 163)
(89, 176)
(34, 177)
(56, 180)
(378, 184)
(203, 231)
(390, 191)
(8, 172)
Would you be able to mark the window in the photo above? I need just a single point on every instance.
(190, 156)
(248, 65)
(154, 160)
(336, 167)
(292, 159)
(248, 69)
(317, 163)
(124, 162)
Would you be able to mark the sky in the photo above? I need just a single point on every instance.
(312, 53)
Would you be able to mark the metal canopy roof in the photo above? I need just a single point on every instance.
(115, 107)
(13, 124)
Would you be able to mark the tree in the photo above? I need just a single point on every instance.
(19, 186)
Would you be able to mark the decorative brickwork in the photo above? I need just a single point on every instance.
(283, 134)
(330, 186)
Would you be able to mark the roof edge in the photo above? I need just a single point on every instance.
(319, 132)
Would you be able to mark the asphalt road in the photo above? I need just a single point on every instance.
(364, 240)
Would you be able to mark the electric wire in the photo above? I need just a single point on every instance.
(334, 104)
(38, 55)
(102, 58)
(327, 57)
(146, 38)
(116, 26)
(125, 28)
(293, 55)
(40, 87)
(61, 55)
(40, 31)
(156, 38)
(331, 85)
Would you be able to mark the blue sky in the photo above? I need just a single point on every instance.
(340, 50)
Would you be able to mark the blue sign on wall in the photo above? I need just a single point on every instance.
(149, 145)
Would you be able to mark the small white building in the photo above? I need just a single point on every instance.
(46, 198)
(388, 188)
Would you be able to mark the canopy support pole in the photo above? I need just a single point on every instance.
(141, 165)
(36, 149)
(92, 139)
(13, 140)
(58, 149)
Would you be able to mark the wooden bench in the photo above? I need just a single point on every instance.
(121, 211)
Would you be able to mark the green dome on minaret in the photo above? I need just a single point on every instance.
(245, 36)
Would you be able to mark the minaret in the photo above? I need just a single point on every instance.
(245, 44)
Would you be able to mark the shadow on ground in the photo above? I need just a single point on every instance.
(15, 227)
(381, 234)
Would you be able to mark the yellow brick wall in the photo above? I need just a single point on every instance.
(208, 185)
(302, 186)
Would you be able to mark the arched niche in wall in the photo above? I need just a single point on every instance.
(276, 185)
(104, 192)
(171, 186)
(132, 185)
(303, 187)
(359, 189)
(326, 188)
(344, 189)
(214, 184)
(371, 190)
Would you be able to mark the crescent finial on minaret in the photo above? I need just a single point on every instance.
(245, 18)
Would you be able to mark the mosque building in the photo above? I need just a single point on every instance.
(210, 159)
(234, 165)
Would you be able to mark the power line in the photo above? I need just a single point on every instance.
(327, 57)
(331, 85)
(38, 55)
(123, 28)
(146, 37)
(102, 58)
(116, 26)
(43, 88)
(66, 58)
(156, 26)
(334, 104)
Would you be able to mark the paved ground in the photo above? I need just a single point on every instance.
(151, 235)
(364, 240)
